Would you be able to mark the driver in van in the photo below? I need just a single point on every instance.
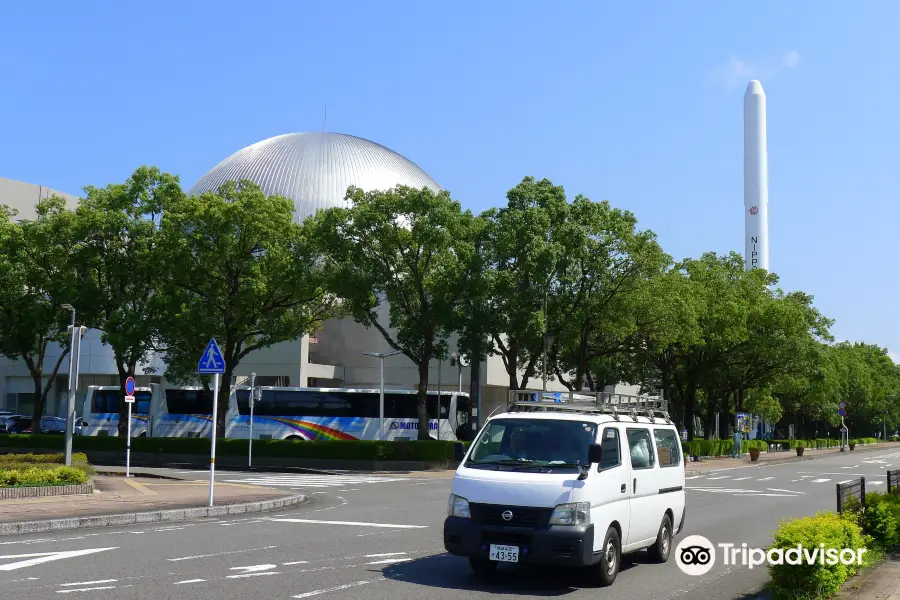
(518, 441)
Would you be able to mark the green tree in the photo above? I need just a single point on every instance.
(241, 270)
(122, 265)
(398, 245)
(36, 278)
(523, 251)
(605, 265)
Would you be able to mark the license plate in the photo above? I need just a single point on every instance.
(505, 553)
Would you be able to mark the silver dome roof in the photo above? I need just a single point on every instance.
(315, 169)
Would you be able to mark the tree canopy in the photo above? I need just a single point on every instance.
(570, 291)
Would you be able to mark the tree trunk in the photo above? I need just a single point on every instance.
(222, 404)
(690, 397)
(123, 406)
(421, 396)
(38, 411)
(474, 390)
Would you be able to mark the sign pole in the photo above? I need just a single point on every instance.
(212, 452)
(250, 446)
(129, 400)
(128, 447)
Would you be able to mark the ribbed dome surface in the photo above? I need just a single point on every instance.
(315, 169)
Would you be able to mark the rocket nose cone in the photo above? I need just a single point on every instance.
(754, 88)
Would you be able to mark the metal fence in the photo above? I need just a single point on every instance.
(893, 482)
(854, 490)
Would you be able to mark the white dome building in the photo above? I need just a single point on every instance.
(315, 169)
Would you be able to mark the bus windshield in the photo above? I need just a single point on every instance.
(534, 441)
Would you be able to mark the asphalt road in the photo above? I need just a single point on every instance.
(380, 538)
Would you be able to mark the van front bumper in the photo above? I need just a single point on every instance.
(554, 545)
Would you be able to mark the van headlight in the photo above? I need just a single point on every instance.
(576, 513)
(458, 506)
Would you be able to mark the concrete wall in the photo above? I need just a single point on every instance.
(24, 196)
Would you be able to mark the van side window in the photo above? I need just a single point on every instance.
(667, 447)
(612, 456)
(641, 448)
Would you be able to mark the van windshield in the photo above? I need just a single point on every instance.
(538, 442)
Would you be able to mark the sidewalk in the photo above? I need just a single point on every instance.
(881, 583)
(708, 465)
(117, 495)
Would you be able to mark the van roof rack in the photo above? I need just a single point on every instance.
(617, 405)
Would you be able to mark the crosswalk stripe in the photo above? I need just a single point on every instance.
(820, 480)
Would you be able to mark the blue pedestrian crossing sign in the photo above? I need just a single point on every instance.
(211, 363)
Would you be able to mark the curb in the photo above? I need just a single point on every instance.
(178, 514)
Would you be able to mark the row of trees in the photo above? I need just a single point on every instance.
(573, 280)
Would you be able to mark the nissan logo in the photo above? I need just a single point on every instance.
(507, 515)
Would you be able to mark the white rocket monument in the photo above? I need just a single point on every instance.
(756, 179)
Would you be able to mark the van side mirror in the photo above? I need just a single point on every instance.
(595, 453)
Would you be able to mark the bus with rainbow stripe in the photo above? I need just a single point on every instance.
(299, 413)
(100, 411)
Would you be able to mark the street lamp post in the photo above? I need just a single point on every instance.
(381, 356)
(456, 360)
(70, 404)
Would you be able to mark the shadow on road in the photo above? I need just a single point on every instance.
(444, 571)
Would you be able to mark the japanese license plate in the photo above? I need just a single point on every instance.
(505, 553)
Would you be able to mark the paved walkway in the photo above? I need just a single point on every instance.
(117, 495)
(881, 583)
(775, 458)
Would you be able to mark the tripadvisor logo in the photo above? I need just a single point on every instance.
(696, 555)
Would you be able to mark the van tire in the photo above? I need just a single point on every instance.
(610, 558)
(483, 566)
(660, 551)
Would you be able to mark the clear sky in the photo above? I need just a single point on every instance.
(641, 106)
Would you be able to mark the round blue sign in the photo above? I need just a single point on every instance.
(129, 387)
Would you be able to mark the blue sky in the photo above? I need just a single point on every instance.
(637, 105)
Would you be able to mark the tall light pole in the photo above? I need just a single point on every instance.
(70, 404)
(381, 356)
(456, 361)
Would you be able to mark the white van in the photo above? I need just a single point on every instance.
(569, 483)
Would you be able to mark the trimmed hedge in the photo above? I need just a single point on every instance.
(58, 458)
(720, 447)
(37, 477)
(414, 450)
(808, 581)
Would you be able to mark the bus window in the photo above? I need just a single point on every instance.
(189, 402)
(106, 401)
(141, 403)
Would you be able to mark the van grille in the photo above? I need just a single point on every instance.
(523, 516)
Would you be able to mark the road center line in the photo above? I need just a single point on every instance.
(90, 589)
(243, 575)
(355, 523)
(384, 554)
(189, 581)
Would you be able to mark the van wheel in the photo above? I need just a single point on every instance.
(610, 557)
(659, 552)
(482, 566)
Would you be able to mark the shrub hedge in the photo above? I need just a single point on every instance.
(36, 476)
(808, 581)
(344, 450)
(720, 447)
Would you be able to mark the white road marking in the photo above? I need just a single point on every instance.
(335, 589)
(89, 582)
(388, 561)
(316, 481)
(695, 476)
(788, 491)
(819, 480)
(719, 477)
(343, 503)
(355, 523)
(219, 554)
(254, 568)
(296, 562)
(845, 481)
(243, 575)
(385, 554)
(90, 589)
(189, 581)
(740, 478)
(44, 557)
(765, 478)
(853, 467)
(876, 482)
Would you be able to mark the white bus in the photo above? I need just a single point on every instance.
(100, 411)
(182, 411)
(344, 414)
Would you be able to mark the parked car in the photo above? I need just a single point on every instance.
(15, 424)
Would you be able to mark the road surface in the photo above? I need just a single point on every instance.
(379, 537)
